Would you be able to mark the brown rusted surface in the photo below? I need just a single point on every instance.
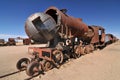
(44, 53)
(78, 28)
(57, 56)
(46, 65)
(26, 41)
(98, 37)
(103, 37)
(2, 42)
(111, 38)
(115, 39)
(68, 37)
(11, 41)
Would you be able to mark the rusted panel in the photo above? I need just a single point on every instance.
(110, 36)
(77, 26)
(44, 53)
(97, 38)
(46, 26)
(2, 42)
(11, 41)
(103, 37)
(115, 39)
(26, 41)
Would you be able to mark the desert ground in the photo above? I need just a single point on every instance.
(99, 65)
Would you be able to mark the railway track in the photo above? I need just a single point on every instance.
(15, 74)
(7, 76)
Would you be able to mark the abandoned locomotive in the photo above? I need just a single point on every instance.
(67, 36)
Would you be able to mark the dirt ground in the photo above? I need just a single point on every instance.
(99, 65)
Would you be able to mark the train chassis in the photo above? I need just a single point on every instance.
(44, 59)
(61, 30)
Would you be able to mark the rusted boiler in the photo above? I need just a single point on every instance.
(53, 23)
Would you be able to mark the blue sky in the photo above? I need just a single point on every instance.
(13, 13)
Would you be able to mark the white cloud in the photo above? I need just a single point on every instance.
(116, 34)
(6, 36)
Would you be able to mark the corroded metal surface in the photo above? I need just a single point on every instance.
(2, 42)
(110, 38)
(70, 37)
(75, 24)
(11, 41)
(99, 34)
(45, 26)
(26, 41)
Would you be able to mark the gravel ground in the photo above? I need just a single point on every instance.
(99, 65)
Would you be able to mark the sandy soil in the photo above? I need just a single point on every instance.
(99, 65)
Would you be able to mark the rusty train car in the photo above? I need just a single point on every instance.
(10, 42)
(110, 38)
(2, 42)
(67, 36)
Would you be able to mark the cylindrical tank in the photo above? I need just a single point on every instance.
(78, 28)
(44, 26)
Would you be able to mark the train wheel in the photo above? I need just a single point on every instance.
(46, 65)
(22, 63)
(33, 68)
(57, 57)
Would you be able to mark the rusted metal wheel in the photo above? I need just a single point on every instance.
(58, 56)
(46, 65)
(22, 64)
(33, 69)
